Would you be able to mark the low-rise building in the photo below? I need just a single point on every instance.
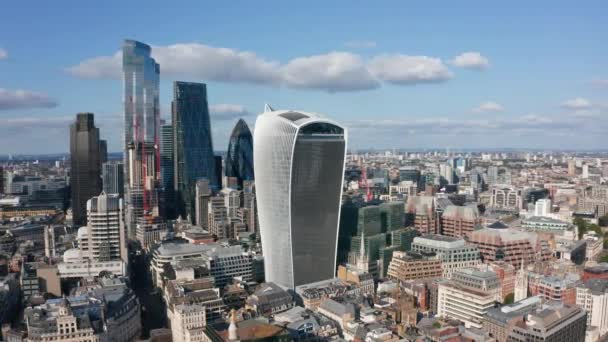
(592, 296)
(498, 241)
(412, 265)
(543, 223)
(341, 313)
(499, 322)
(468, 296)
(458, 221)
(311, 295)
(454, 253)
(556, 322)
(79, 318)
(554, 288)
(270, 299)
(188, 322)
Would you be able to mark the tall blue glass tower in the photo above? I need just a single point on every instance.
(141, 77)
(193, 147)
(239, 159)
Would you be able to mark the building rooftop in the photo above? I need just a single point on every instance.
(598, 269)
(518, 309)
(468, 212)
(597, 286)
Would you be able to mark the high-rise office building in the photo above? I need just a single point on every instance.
(585, 173)
(203, 193)
(542, 207)
(217, 160)
(103, 151)
(105, 235)
(112, 175)
(141, 126)
(167, 171)
(299, 173)
(1, 180)
(193, 147)
(239, 159)
(85, 173)
(571, 167)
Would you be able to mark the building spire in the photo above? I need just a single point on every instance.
(362, 246)
(232, 329)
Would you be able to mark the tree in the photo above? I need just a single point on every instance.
(581, 224)
(509, 299)
(603, 221)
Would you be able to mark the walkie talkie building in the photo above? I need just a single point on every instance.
(299, 167)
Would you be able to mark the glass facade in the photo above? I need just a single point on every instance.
(166, 171)
(239, 159)
(316, 183)
(113, 178)
(299, 170)
(85, 171)
(141, 76)
(369, 221)
(193, 147)
(392, 216)
(141, 90)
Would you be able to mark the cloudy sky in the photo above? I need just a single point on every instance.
(407, 74)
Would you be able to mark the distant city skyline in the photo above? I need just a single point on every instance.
(477, 77)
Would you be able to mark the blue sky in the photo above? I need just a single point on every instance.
(407, 74)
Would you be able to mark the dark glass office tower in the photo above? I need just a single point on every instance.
(239, 159)
(103, 151)
(85, 172)
(166, 171)
(193, 148)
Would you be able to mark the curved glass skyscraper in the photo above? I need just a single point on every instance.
(239, 159)
(193, 147)
(299, 167)
(141, 76)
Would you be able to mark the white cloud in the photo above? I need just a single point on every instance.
(360, 44)
(15, 99)
(403, 69)
(216, 64)
(103, 67)
(471, 60)
(488, 106)
(578, 103)
(331, 72)
(3, 54)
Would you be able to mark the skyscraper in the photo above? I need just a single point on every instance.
(103, 151)
(239, 159)
(85, 173)
(113, 180)
(142, 118)
(299, 173)
(193, 147)
(203, 193)
(105, 231)
(1, 180)
(167, 171)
